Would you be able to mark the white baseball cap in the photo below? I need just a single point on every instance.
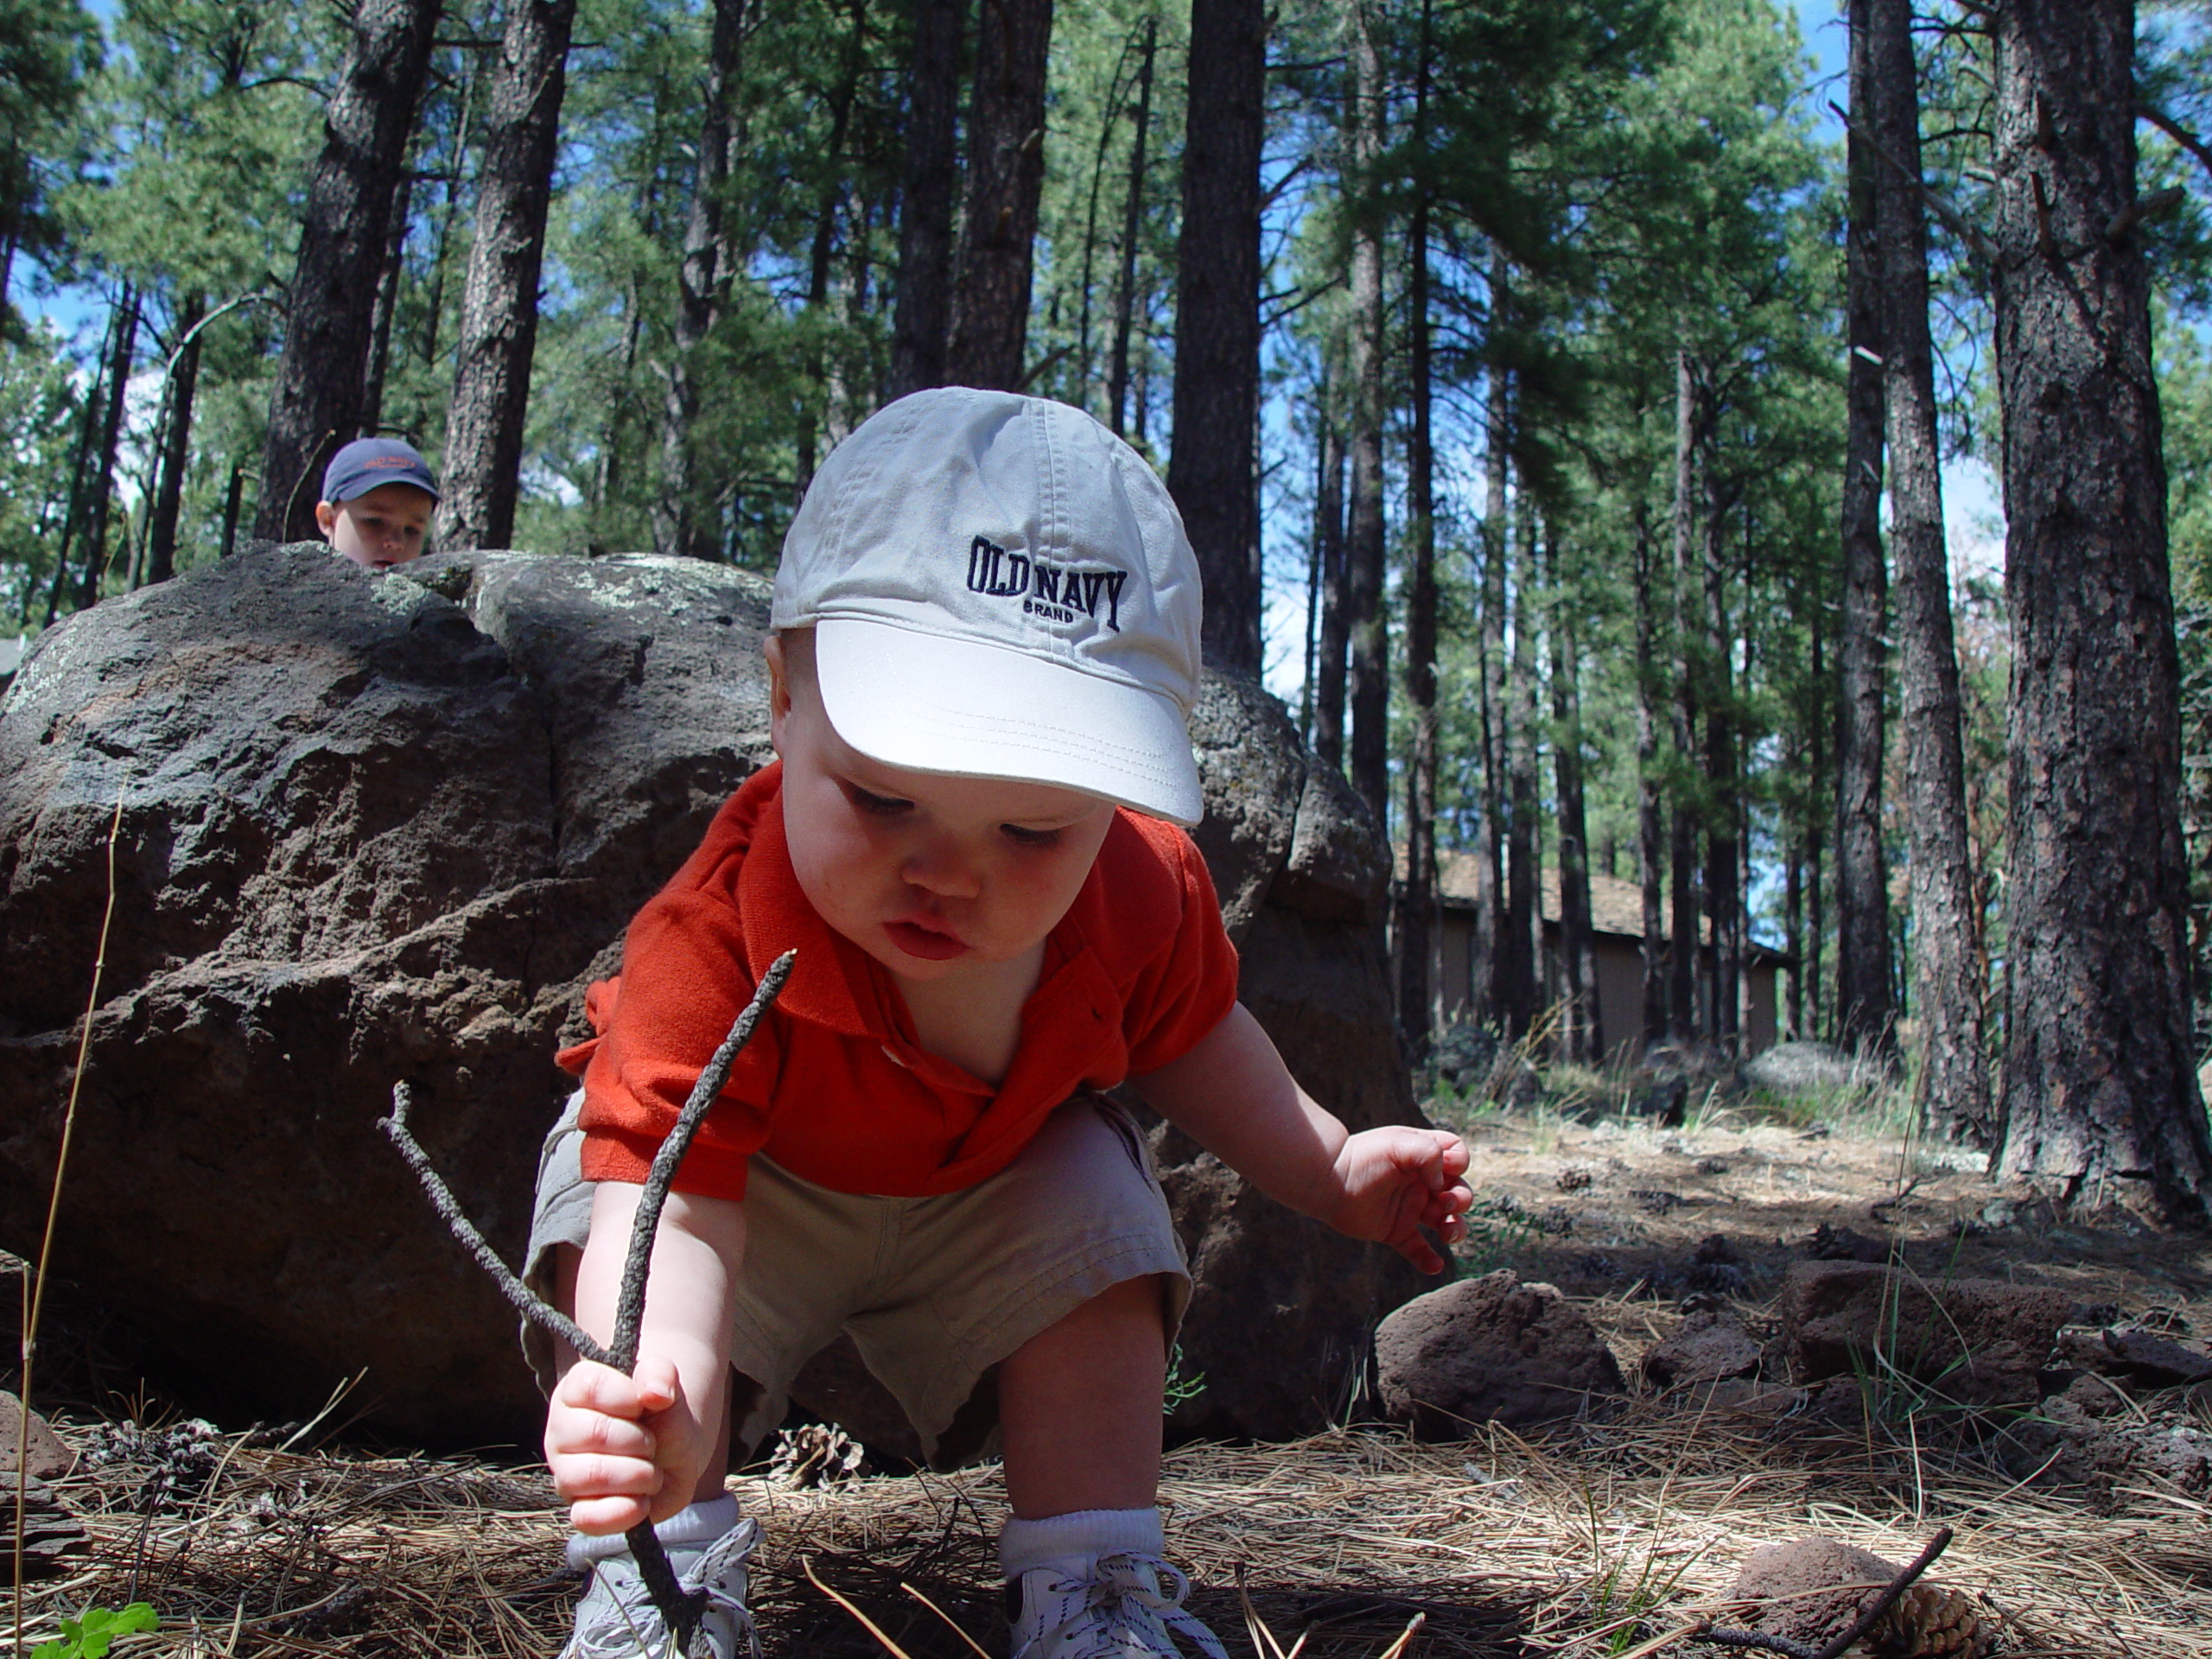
(1000, 587)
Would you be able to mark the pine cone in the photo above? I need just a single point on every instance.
(1930, 1622)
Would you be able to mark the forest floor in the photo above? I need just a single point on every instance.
(1611, 1536)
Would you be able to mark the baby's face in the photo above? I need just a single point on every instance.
(381, 528)
(926, 873)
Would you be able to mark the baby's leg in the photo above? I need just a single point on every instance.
(1079, 1406)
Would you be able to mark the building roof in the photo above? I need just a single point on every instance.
(1615, 907)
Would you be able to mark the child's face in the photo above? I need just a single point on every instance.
(384, 528)
(928, 873)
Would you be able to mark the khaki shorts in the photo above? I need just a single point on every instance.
(934, 1292)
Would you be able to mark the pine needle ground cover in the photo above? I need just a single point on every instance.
(1599, 1541)
(1605, 1537)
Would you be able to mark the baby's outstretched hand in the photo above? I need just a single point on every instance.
(1396, 1181)
(621, 1449)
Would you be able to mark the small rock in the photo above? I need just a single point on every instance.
(1828, 1243)
(1802, 1068)
(2000, 1212)
(1715, 1279)
(45, 1456)
(2147, 1361)
(1978, 1341)
(1490, 1350)
(1652, 1202)
(51, 1534)
(1666, 1102)
(1789, 1576)
(2089, 1393)
(1712, 1166)
(1708, 1347)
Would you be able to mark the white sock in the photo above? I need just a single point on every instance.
(1080, 1535)
(695, 1523)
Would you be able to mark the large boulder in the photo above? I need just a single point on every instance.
(372, 828)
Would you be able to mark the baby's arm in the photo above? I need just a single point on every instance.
(622, 1448)
(1232, 1094)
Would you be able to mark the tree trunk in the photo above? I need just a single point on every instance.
(1211, 470)
(1488, 988)
(1583, 1036)
(1946, 917)
(389, 273)
(102, 482)
(1417, 895)
(1125, 284)
(819, 376)
(316, 404)
(1865, 1016)
(1793, 929)
(1816, 777)
(680, 518)
(2099, 1084)
(1683, 956)
(234, 508)
(1330, 642)
(498, 309)
(922, 320)
(433, 302)
(1005, 172)
(1368, 638)
(1520, 961)
(1723, 885)
(176, 443)
(1650, 840)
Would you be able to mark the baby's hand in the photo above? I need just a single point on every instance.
(622, 1449)
(1395, 1180)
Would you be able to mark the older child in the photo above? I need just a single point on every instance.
(377, 497)
(986, 648)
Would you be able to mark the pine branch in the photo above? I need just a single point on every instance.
(1964, 228)
(2174, 129)
(680, 1609)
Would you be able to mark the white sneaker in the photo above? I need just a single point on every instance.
(1120, 1607)
(616, 1619)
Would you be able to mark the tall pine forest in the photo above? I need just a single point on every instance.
(1561, 395)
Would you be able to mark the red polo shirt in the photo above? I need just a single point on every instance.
(834, 1087)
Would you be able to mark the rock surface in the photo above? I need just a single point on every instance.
(1490, 1350)
(1972, 1342)
(33, 1446)
(1708, 1347)
(376, 828)
(1790, 1576)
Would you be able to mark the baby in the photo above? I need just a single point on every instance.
(985, 651)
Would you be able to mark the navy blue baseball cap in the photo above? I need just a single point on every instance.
(366, 463)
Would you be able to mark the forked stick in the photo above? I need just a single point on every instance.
(679, 1608)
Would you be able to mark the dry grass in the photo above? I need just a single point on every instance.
(1597, 1540)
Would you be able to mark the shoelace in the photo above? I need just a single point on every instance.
(620, 1634)
(1124, 1612)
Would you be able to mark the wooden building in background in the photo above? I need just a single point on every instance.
(1617, 926)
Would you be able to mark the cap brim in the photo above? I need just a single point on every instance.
(973, 710)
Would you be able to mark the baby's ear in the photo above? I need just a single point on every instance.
(780, 684)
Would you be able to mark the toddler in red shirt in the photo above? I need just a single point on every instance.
(986, 650)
